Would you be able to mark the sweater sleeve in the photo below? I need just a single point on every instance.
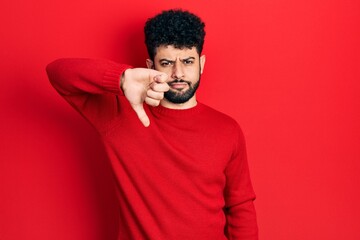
(239, 196)
(91, 86)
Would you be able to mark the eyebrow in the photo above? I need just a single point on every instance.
(172, 61)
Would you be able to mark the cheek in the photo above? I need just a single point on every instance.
(193, 74)
(164, 70)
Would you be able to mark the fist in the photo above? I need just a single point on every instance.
(141, 85)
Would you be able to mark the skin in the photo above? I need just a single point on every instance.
(141, 85)
(179, 64)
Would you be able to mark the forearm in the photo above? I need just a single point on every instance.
(76, 76)
(241, 223)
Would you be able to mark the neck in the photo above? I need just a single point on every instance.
(186, 105)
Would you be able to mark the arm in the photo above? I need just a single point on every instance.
(91, 86)
(80, 76)
(239, 196)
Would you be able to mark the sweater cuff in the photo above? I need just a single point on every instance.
(112, 77)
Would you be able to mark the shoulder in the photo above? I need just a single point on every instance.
(215, 115)
(220, 120)
(224, 128)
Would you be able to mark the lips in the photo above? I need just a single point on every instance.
(178, 85)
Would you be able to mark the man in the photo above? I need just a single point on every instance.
(185, 174)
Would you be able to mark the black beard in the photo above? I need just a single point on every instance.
(182, 97)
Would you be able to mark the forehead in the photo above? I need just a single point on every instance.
(170, 52)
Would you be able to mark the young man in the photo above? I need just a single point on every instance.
(185, 174)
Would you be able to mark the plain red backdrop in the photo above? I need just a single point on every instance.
(287, 71)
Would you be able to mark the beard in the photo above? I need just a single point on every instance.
(180, 96)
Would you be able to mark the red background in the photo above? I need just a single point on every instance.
(287, 71)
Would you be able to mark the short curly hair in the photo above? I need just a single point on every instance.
(176, 27)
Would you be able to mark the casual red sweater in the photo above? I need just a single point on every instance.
(184, 177)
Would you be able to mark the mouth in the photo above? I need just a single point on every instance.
(178, 85)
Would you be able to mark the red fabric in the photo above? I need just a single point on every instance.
(184, 177)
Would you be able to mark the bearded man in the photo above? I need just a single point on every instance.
(181, 170)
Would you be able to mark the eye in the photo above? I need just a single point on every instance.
(165, 63)
(188, 61)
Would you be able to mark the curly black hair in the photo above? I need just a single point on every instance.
(174, 27)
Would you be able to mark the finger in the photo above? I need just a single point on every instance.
(140, 112)
(160, 77)
(152, 102)
(155, 95)
(160, 87)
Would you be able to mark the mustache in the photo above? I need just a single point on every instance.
(179, 81)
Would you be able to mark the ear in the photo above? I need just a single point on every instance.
(202, 63)
(149, 63)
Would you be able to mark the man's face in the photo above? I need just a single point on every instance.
(183, 66)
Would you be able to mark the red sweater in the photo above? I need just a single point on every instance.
(184, 177)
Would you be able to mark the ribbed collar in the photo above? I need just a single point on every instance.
(177, 113)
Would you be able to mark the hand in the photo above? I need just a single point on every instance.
(143, 85)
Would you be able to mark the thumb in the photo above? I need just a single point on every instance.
(140, 112)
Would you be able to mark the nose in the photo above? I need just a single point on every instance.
(177, 71)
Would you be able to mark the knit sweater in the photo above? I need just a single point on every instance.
(184, 177)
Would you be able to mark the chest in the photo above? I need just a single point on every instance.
(164, 148)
